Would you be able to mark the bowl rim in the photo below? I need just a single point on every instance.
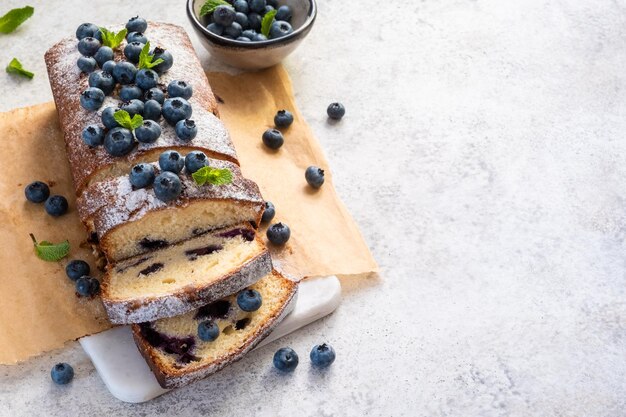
(311, 15)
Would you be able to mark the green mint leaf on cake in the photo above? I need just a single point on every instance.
(49, 251)
(266, 23)
(15, 67)
(213, 176)
(112, 39)
(10, 21)
(210, 6)
(146, 60)
(123, 119)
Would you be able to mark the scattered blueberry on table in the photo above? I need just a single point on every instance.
(278, 233)
(56, 205)
(87, 286)
(208, 330)
(273, 138)
(283, 118)
(62, 373)
(76, 269)
(322, 355)
(336, 111)
(285, 359)
(269, 213)
(37, 192)
(249, 300)
(314, 176)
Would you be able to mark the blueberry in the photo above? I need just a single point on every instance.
(133, 107)
(336, 111)
(108, 66)
(119, 141)
(243, 39)
(87, 286)
(88, 46)
(254, 20)
(224, 15)
(102, 80)
(93, 135)
(167, 186)
(136, 37)
(155, 94)
(286, 359)
(124, 72)
(208, 331)
(283, 118)
(62, 373)
(234, 30)
(37, 192)
(241, 6)
(322, 355)
(267, 9)
(314, 176)
(249, 300)
(56, 205)
(273, 139)
(103, 55)
(186, 129)
(166, 56)
(242, 19)
(86, 64)
(76, 269)
(248, 34)
(269, 213)
(148, 132)
(215, 28)
(283, 13)
(142, 175)
(179, 88)
(151, 110)
(278, 233)
(171, 161)
(92, 98)
(256, 6)
(280, 29)
(273, 3)
(130, 92)
(107, 117)
(136, 24)
(175, 109)
(146, 78)
(132, 51)
(259, 37)
(228, 37)
(194, 161)
(88, 30)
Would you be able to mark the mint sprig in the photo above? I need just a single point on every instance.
(112, 39)
(266, 23)
(213, 176)
(10, 21)
(15, 67)
(146, 60)
(123, 119)
(210, 6)
(49, 251)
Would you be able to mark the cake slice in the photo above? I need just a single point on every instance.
(181, 277)
(127, 222)
(177, 356)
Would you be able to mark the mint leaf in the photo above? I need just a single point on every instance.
(15, 67)
(266, 23)
(210, 6)
(10, 21)
(112, 39)
(123, 119)
(49, 251)
(145, 59)
(213, 176)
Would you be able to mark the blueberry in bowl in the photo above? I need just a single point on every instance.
(235, 33)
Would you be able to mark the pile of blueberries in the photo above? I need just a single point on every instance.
(139, 91)
(241, 20)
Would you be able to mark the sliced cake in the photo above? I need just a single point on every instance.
(178, 356)
(181, 277)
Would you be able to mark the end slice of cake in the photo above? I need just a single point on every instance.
(177, 356)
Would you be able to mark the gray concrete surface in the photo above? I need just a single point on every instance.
(483, 155)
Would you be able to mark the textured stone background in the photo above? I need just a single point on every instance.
(483, 155)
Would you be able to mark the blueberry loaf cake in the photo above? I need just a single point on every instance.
(181, 277)
(189, 347)
(122, 85)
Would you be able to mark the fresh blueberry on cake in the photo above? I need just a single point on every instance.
(136, 24)
(103, 55)
(249, 300)
(314, 176)
(149, 131)
(37, 192)
(155, 94)
(146, 78)
(278, 233)
(179, 88)
(142, 175)
(108, 119)
(102, 80)
(108, 66)
(124, 72)
(56, 205)
(186, 129)
(76, 269)
(137, 37)
(130, 92)
(152, 110)
(166, 56)
(171, 161)
(119, 141)
(93, 135)
(62, 373)
(86, 64)
(322, 355)
(283, 118)
(175, 109)
(269, 213)
(92, 98)
(336, 111)
(273, 139)
(208, 330)
(88, 30)
(167, 186)
(194, 161)
(88, 46)
(132, 106)
(286, 359)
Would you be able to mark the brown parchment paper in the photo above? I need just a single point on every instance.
(39, 310)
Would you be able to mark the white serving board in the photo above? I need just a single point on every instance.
(128, 377)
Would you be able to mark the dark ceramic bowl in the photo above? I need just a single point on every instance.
(255, 55)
